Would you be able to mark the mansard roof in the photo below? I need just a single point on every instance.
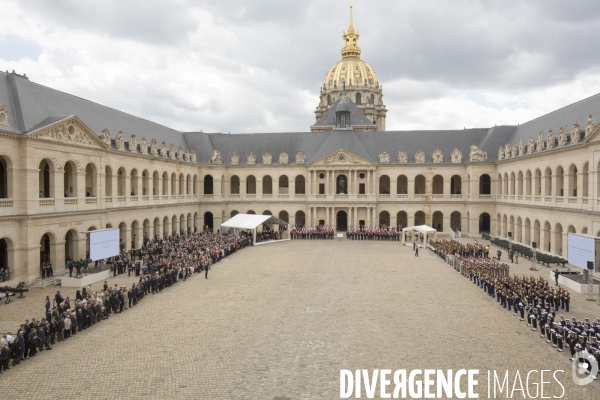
(31, 106)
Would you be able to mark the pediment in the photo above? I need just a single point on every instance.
(342, 157)
(70, 130)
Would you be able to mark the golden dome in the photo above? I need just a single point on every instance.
(351, 70)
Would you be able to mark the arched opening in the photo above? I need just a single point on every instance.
(341, 221)
(155, 183)
(6, 259)
(5, 183)
(455, 221)
(511, 226)
(438, 185)
(548, 182)
(133, 183)
(505, 184)
(165, 184)
(504, 226)
(174, 227)
(384, 184)
(455, 184)
(135, 234)
(528, 183)
(267, 185)
(560, 182)
(156, 232)
(341, 184)
(71, 242)
(484, 223)
(586, 177)
(267, 212)
(402, 185)
(284, 216)
(519, 231)
(70, 181)
(527, 232)
(437, 221)
(147, 232)
(145, 183)
(283, 185)
(195, 185)
(196, 221)
(537, 183)
(384, 218)
(173, 184)
(121, 181)
(573, 180)
(485, 184)
(536, 234)
(166, 226)
(558, 232)
(181, 184)
(182, 224)
(402, 219)
(208, 184)
(46, 243)
(123, 236)
(251, 212)
(358, 98)
(90, 180)
(234, 213)
(234, 184)
(420, 184)
(188, 184)
(299, 185)
(251, 185)
(520, 183)
(300, 218)
(546, 244)
(584, 230)
(419, 218)
(46, 187)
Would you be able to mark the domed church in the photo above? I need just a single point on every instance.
(357, 79)
(69, 166)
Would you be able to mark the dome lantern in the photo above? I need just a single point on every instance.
(351, 46)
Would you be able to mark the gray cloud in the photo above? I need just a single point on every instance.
(244, 66)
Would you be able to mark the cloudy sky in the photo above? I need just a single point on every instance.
(257, 66)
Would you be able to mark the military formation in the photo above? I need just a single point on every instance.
(383, 232)
(167, 262)
(320, 232)
(528, 297)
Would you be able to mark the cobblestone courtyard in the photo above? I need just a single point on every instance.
(281, 320)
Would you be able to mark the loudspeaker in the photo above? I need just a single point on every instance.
(534, 244)
(509, 234)
(590, 265)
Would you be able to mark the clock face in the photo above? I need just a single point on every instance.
(341, 157)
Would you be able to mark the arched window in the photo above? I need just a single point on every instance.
(251, 185)
(299, 185)
(438, 185)
(108, 181)
(267, 185)
(145, 183)
(70, 180)
(208, 184)
(402, 185)
(45, 183)
(384, 186)
(90, 180)
(134, 182)
(485, 185)
(358, 98)
(234, 185)
(420, 185)
(283, 185)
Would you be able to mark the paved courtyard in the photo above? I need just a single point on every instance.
(281, 320)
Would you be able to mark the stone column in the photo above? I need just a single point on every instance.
(259, 188)
(375, 183)
(242, 188)
(308, 183)
(447, 188)
(327, 182)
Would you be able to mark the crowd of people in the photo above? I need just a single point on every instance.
(528, 297)
(167, 262)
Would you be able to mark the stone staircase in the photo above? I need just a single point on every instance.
(41, 283)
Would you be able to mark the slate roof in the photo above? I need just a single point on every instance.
(31, 106)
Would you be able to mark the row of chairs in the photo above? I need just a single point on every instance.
(542, 258)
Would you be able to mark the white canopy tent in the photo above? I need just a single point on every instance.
(427, 231)
(250, 222)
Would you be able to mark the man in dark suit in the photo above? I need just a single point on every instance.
(58, 297)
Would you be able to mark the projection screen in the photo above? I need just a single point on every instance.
(104, 244)
(581, 250)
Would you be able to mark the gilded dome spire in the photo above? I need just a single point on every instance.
(351, 47)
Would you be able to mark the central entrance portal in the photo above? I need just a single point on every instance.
(342, 221)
